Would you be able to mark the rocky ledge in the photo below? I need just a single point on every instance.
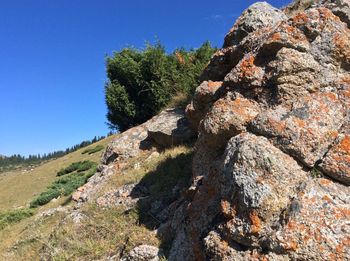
(272, 162)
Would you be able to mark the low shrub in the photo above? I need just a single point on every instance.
(14, 216)
(64, 186)
(76, 166)
(86, 165)
(93, 150)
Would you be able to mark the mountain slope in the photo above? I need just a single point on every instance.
(266, 179)
(17, 188)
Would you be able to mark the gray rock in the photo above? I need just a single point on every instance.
(143, 253)
(307, 129)
(316, 225)
(203, 98)
(258, 182)
(170, 128)
(126, 145)
(126, 195)
(257, 16)
(340, 8)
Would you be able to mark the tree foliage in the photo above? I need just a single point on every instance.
(141, 82)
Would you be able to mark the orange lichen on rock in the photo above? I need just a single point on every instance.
(291, 245)
(245, 108)
(342, 43)
(248, 67)
(281, 112)
(300, 18)
(255, 222)
(325, 182)
(228, 210)
(325, 14)
(337, 161)
(214, 85)
(299, 122)
(278, 126)
(276, 36)
(344, 145)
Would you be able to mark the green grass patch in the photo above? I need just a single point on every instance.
(14, 216)
(79, 166)
(93, 150)
(63, 186)
(316, 173)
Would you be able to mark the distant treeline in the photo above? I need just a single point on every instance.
(7, 163)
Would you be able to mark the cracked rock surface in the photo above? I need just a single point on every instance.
(272, 110)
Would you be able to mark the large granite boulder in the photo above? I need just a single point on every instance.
(272, 162)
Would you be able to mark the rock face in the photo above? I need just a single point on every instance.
(271, 168)
(167, 129)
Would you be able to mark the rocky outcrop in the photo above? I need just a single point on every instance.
(272, 161)
(170, 128)
(167, 129)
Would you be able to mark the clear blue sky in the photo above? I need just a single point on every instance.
(52, 54)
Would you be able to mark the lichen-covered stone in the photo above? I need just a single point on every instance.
(340, 8)
(218, 249)
(258, 182)
(203, 98)
(257, 16)
(126, 145)
(316, 224)
(278, 122)
(246, 73)
(168, 128)
(226, 118)
(307, 129)
(336, 164)
(295, 73)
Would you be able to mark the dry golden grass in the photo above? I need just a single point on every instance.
(23, 241)
(18, 188)
(179, 100)
(103, 232)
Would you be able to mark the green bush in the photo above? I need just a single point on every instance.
(86, 165)
(76, 166)
(141, 82)
(14, 216)
(45, 197)
(93, 150)
(64, 186)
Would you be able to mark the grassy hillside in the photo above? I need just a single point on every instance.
(19, 187)
(104, 231)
